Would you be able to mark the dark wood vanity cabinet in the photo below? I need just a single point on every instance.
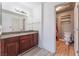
(15, 45)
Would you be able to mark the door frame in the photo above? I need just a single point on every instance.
(76, 30)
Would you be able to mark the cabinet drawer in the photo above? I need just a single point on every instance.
(12, 39)
(24, 37)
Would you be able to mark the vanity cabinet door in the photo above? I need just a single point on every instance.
(11, 47)
(31, 40)
(24, 43)
(35, 38)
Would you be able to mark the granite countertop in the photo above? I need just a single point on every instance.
(3, 36)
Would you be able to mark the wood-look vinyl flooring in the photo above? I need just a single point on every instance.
(36, 51)
(61, 50)
(64, 50)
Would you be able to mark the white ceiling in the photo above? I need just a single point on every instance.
(25, 5)
(30, 5)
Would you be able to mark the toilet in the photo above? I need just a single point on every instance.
(67, 36)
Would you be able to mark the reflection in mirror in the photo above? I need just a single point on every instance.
(12, 22)
(26, 17)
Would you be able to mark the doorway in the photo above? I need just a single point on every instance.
(65, 29)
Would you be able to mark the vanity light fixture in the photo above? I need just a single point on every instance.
(20, 10)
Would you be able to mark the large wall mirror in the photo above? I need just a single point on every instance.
(18, 17)
(12, 22)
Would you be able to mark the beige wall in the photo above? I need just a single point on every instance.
(65, 27)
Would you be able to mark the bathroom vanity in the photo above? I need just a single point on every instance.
(17, 43)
